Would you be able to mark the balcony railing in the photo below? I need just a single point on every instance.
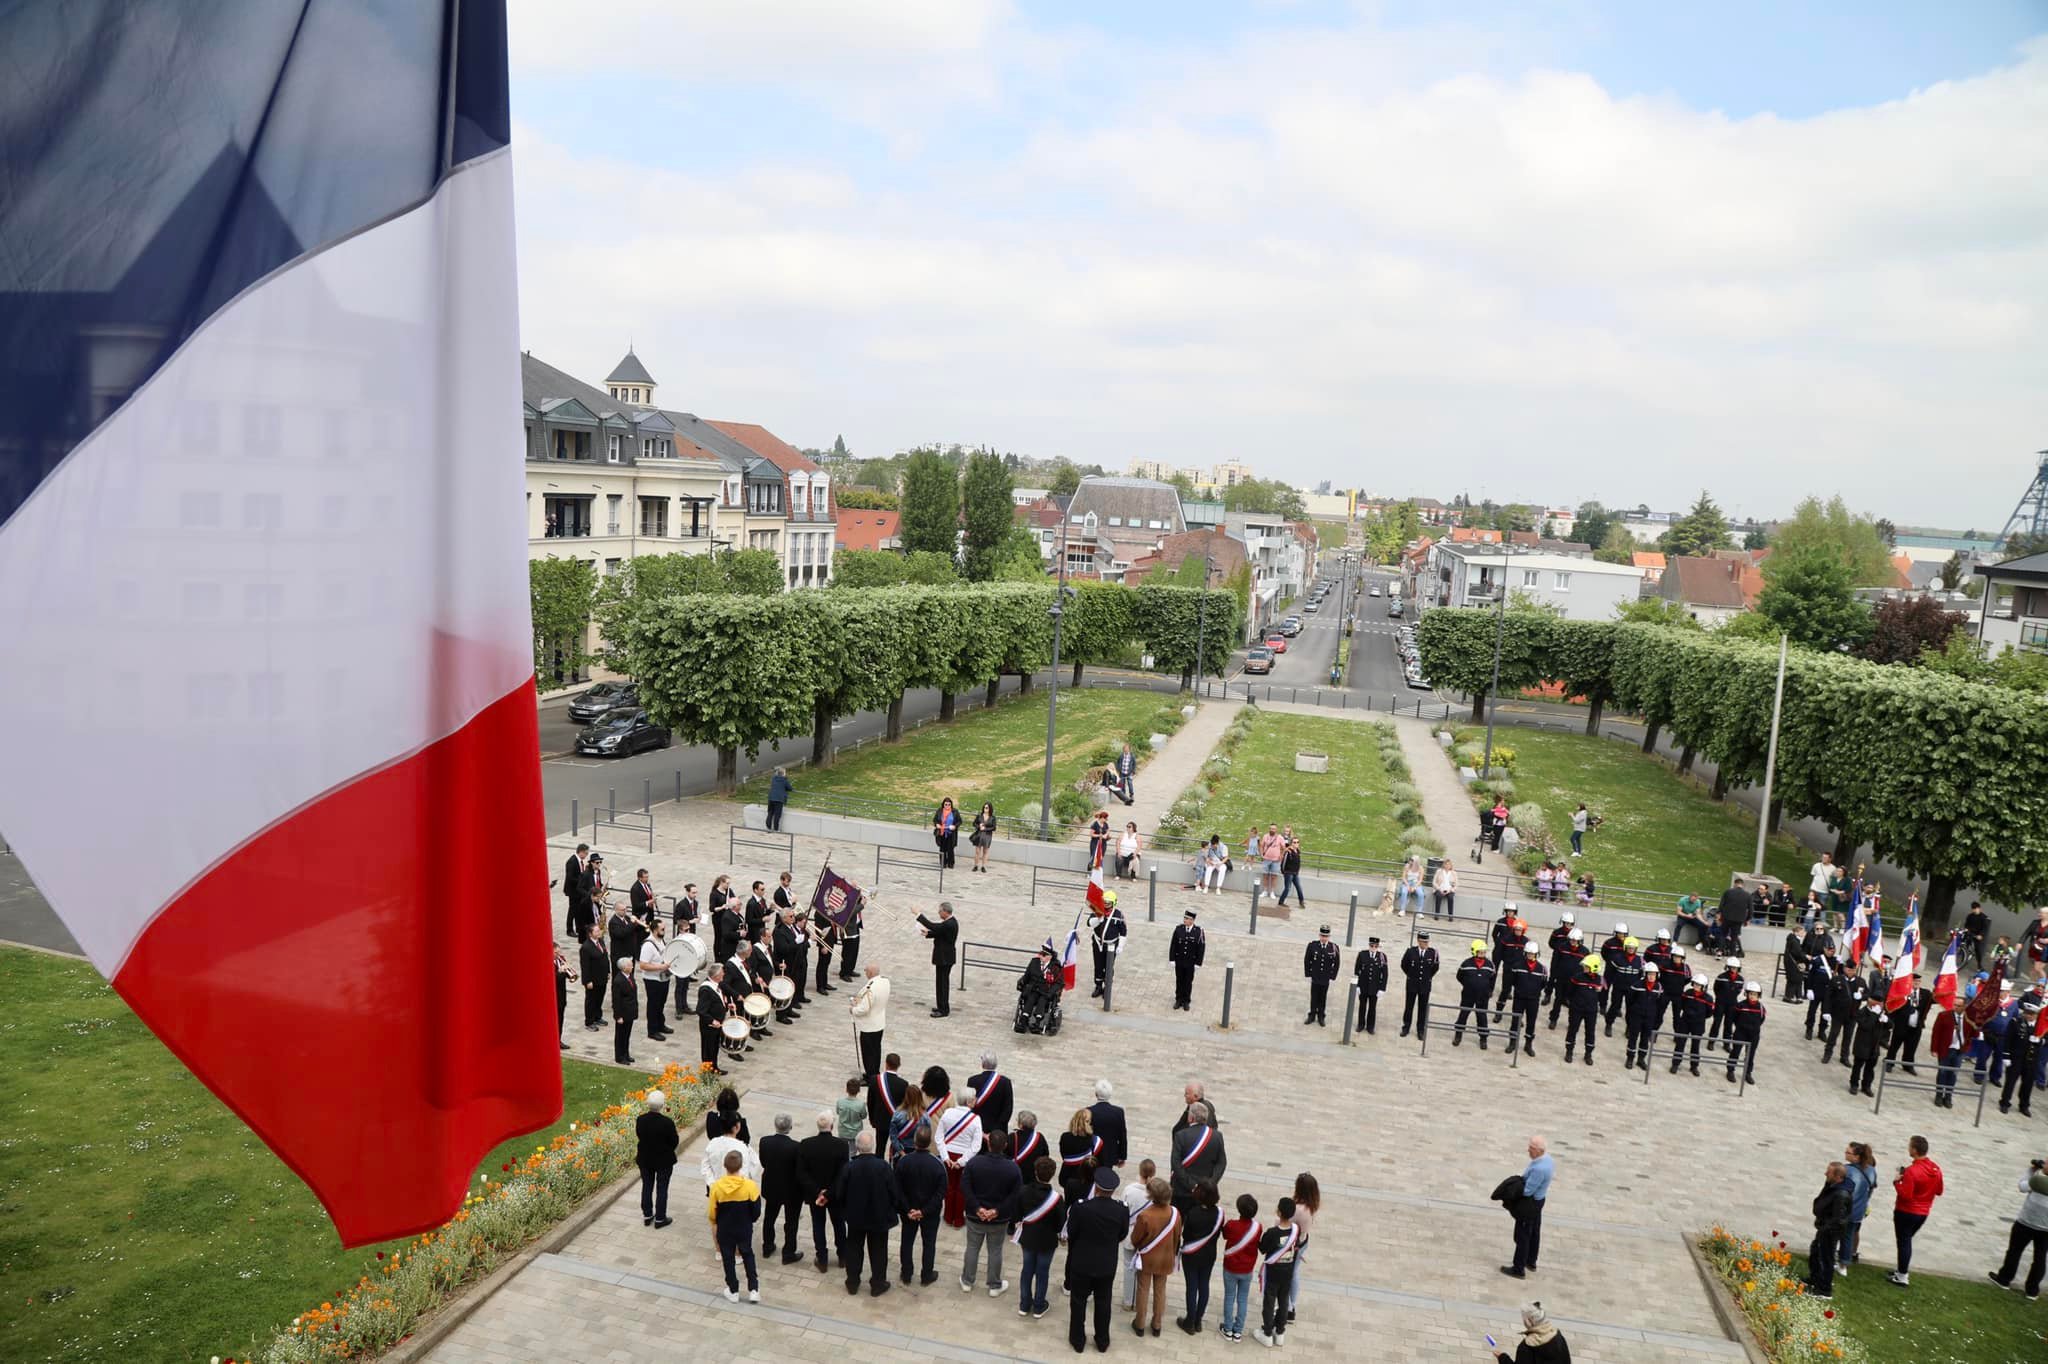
(572, 532)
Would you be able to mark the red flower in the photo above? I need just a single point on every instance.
(1774, 1232)
(1829, 1314)
(380, 1254)
(506, 1166)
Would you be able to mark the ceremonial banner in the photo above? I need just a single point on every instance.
(262, 504)
(837, 898)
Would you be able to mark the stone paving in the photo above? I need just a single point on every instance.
(1406, 1147)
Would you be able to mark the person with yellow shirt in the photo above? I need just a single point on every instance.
(734, 1205)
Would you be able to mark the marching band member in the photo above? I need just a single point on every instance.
(712, 1008)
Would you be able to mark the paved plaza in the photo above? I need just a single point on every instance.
(1406, 1147)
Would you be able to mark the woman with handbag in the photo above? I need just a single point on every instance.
(984, 834)
(946, 831)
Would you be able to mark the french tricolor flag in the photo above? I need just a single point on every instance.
(1906, 962)
(263, 561)
(1945, 979)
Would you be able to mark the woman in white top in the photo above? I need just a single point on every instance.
(1127, 853)
(1446, 889)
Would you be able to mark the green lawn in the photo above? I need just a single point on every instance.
(138, 1218)
(1937, 1320)
(995, 755)
(1344, 810)
(1661, 832)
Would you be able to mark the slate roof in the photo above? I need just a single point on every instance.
(629, 371)
(546, 388)
(1697, 581)
(2034, 568)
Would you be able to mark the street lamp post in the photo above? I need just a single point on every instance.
(1500, 625)
(1202, 620)
(1052, 701)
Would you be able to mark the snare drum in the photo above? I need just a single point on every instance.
(782, 990)
(758, 1008)
(733, 1034)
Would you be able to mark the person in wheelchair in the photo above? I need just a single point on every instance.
(1038, 993)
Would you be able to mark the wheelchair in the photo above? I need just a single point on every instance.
(1037, 1014)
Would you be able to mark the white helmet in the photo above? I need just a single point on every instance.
(1649, 968)
(1567, 917)
(1621, 930)
(1507, 906)
(1574, 935)
(1731, 961)
(1700, 980)
(1663, 935)
(1677, 952)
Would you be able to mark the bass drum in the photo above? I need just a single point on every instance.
(733, 1034)
(782, 990)
(685, 954)
(758, 1008)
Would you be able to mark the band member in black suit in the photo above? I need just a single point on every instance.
(625, 1010)
(757, 909)
(721, 891)
(644, 907)
(945, 935)
(785, 894)
(792, 952)
(761, 962)
(711, 1011)
(686, 911)
(596, 969)
(576, 891)
(1371, 971)
(563, 975)
(994, 1096)
(741, 981)
(1186, 951)
(849, 940)
(824, 938)
(727, 928)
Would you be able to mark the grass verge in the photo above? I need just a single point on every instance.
(142, 1220)
(1937, 1318)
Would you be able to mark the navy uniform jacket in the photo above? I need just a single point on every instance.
(1689, 1012)
(1475, 980)
(1748, 1019)
(1096, 1228)
(1582, 995)
(1528, 980)
(1371, 970)
(1189, 945)
(1645, 1002)
(1321, 961)
(1420, 965)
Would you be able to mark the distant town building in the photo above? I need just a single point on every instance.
(1467, 573)
(1131, 516)
(2015, 604)
(1713, 590)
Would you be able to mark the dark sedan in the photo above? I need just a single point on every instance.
(602, 699)
(622, 731)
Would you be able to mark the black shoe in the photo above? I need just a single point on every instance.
(1674, 1067)
(1589, 1056)
(1482, 1042)
(1306, 1021)
(1457, 1039)
(647, 1221)
(852, 1288)
(903, 1277)
(1512, 1272)
(1404, 1030)
(1868, 1093)
(823, 1264)
(1695, 1068)
(928, 1280)
(1528, 1050)
(940, 1013)
(1731, 1078)
(1568, 1054)
(879, 1289)
(661, 1222)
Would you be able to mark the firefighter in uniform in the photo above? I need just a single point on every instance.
(1660, 950)
(1510, 936)
(1185, 952)
(1610, 951)
(1689, 1020)
(1582, 1002)
(1527, 981)
(1564, 969)
(1676, 976)
(1475, 990)
(1419, 965)
(1643, 1015)
(1845, 992)
(1320, 963)
(1727, 994)
(1559, 936)
(1623, 974)
(1745, 1026)
(1371, 972)
(1106, 939)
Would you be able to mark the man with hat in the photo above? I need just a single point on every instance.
(1038, 985)
(1105, 939)
(1475, 988)
(1689, 1019)
(1660, 950)
(1186, 952)
(1371, 972)
(1746, 1025)
(1320, 963)
(1559, 936)
(1582, 1003)
(1419, 964)
(1527, 981)
(2022, 1050)
(1096, 1228)
(1676, 976)
(1610, 951)
(1510, 935)
(1866, 1043)
(1564, 969)
(1644, 1014)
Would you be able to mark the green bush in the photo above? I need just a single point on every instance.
(1469, 755)
(1502, 788)
(1417, 833)
(1103, 754)
(1425, 848)
(1070, 806)
(1529, 821)
(1168, 720)
(1503, 756)
(1403, 792)
(1030, 812)
(1139, 737)
(1404, 814)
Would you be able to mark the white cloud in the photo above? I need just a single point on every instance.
(1335, 254)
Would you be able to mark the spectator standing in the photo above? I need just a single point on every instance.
(819, 1159)
(1830, 1225)
(732, 1205)
(781, 1197)
(1914, 1190)
(1540, 1343)
(1861, 1168)
(1735, 908)
(1240, 1257)
(1272, 849)
(2030, 1228)
(1500, 820)
(866, 1193)
(1276, 1255)
(656, 1158)
(1201, 1226)
(1290, 873)
(989, 1186)
(1308, 1201)
(1136, 1196)
(946, 831)
(1528, 1213)
(1095, 1235)
(2033, 948)
(1155, 1249)
(1579, 819)
(906, 1122)
(984, 835)
(1040, 1213)
(1127, 772)
(1976, 932)
(922, 1178)
(779, 789)
(851, 1112)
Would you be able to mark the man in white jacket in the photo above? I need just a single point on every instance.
(870, 1009)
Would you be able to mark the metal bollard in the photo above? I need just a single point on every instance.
(1255, 907)
(1351, 920)
(679, 786)
(646, 795)
(1108, 981)
(611, 802)
(1230, 971)
(575, 820)
(1350, 1010)
(1152, 894)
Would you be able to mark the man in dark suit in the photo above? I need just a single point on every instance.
(757, 909)
(922, 1178)
(1108, 1122)
(644, 907)
(686, 909)
(819, 1159)
(792, 952)
(727, 925)
(561, 994)
(711, 1006)
(595, 969)
(885, 1094)
(576, 891)
(656, 1157)
(867, 1196)
(781, 1190)
(1193, 1093)
(625, 1010)
(1096, 1228)
(945, 935)
(1197, 1156)
(994, 1104)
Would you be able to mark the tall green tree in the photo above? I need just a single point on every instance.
(1831, 528)
(1018, 559)
(1701, 530)
(1616, 546)
(839, 450)
(989, 513)
(1065, 479)
(860, 569)
(924, 568)
(563, 595)
(931, 504)
(1592, 524)
(1810, 595)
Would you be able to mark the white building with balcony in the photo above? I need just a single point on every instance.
(1279, 562)
(2015, 613)
(1477, 574)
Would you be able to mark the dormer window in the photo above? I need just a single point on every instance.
(612, 444)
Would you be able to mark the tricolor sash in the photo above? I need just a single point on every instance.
(960, 1126)
(1250, 1238)
(1028, 1146)
(1044, 1210)
(1172, 1225)
(1285, 1248)
(1088, 1154)
(1201, 1145)
(888, 1100)
(1195, 1246)
(981, 1095)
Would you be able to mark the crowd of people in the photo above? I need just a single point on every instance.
(902, 1156)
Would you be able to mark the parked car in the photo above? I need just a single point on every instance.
(622, 731)
(1291, 626)
(1258, 660)
(1394, 611)
(1416, 680)
(1315, 604)
(1276, 641)
(1374, 590)
(603, 698)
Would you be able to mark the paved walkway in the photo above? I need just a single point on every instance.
(1406, 1146)
(1172, 769)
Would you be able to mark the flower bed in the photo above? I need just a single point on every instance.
(508, 1209)
(1788, 1324)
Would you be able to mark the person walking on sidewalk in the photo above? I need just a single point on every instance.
(1127, 772)
(1831, 1207)
(1913, 1193)
(1290, 872)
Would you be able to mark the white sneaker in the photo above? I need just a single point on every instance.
(997, 1290)
(1897, 1278)
(732, 1295)
(1261, 1337)
(753, 1295)
(966, 1287)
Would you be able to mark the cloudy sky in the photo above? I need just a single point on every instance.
(1555, 250)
